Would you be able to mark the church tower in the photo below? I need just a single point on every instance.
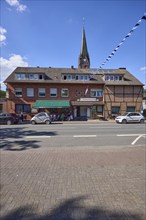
(84, 59)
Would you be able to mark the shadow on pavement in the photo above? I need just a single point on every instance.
(71, 209)
(16, 134)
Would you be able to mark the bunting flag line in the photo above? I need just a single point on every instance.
(128, 35)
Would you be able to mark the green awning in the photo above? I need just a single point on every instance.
(51, 104)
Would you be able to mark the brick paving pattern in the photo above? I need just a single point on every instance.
(73, 184)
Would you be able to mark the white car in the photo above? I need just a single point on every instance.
(130, 117)
(41, 118)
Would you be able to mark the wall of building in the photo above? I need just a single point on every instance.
(123, 97)
(119, 96)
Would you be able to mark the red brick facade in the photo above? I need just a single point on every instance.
(114, 96)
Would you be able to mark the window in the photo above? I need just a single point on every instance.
(80, 77)
(33, 76)
(113, 77)
(53, 92)
(131, 109)
(69, 77)
(22, 108)
(96, 93)
(18, 92)
(115, 109)
(120, 78)
(99, 109)
(107, 78)
(64, 93)
(86, 78)
(116, 78)
(20, 76)
(41, 92)
(40, 76)
(30, 92)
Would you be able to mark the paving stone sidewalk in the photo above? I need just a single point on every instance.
(73, 184)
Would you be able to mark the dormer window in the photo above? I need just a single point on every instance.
(40, 76)
(33, 76)
(76, 77)
(113, 78)
(20, 76)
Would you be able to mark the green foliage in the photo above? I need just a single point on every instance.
(2, 94)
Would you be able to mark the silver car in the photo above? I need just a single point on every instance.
(130, 117)
(41, 118)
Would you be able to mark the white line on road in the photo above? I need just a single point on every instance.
(43, 136)
(137, 139)
(84, 136)
(128, 135)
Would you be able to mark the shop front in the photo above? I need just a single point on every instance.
(58, 109)
(87, 108)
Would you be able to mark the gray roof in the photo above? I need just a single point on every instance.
(54, 75)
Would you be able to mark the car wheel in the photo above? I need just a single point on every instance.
(9, 122)
(141, 121)
(124, 121)
(33, 122)
(47, 122)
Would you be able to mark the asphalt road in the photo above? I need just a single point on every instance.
(73, 134)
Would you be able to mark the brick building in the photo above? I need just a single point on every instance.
(84, 91)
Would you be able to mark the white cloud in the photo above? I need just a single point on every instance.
(3, 31)
(143, 69)
(16, 3)
(9, 65)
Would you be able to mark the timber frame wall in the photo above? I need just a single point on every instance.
(122, 96)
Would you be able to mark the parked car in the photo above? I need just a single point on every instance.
(9, 118)
(130, 117)
(41, 118)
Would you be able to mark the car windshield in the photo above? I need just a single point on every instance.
(125, 114)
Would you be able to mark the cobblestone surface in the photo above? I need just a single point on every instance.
(73, 184)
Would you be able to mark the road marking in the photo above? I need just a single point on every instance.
(137, 139)
(128, 135)
(84, 136)
(43, 136)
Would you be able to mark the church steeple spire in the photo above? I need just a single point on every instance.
(84, 60)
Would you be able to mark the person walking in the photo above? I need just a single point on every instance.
(21, 117)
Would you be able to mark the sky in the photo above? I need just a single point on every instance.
(48, 33)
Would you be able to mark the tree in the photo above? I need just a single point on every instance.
(2, 94)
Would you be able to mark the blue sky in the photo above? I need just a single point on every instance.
(48, 33)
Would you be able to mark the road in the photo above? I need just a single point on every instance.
(73, 171)
(73, 134)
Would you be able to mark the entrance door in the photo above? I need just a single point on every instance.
(83, 111)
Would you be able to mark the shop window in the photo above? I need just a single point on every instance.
(130, 109)
(22, 108)
(99, 109)
(115, 109)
